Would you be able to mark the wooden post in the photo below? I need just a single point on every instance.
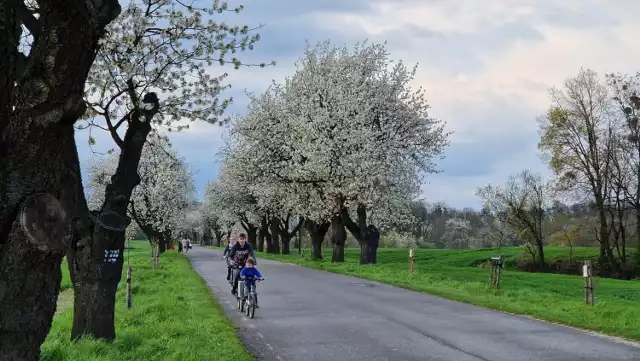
(128, 287)
(412, 253)
(587, 273)
(496, 271)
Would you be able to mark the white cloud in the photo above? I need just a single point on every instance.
(512, 78)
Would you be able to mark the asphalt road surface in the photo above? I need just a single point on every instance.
(307, 315)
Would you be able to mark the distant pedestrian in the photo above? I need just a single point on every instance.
(185, 245)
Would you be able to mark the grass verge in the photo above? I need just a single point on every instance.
(550, 297)
(174, 317)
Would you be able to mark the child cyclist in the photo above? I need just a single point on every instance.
(249, 274)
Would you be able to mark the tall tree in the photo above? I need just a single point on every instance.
(344, 135)
(152, 71)
(41, 92)
(576, 135)
(626, 95)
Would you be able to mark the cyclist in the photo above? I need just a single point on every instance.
(239, 254)
(249, 274)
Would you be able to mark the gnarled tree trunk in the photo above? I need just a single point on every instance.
(368, 237)
(40, 100)
(96, 265)
(338, 238)
(316, 231)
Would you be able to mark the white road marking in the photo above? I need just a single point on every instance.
(270, 348)
(259, 335)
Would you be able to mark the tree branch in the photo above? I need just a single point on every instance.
(113, 131)
(26, 17)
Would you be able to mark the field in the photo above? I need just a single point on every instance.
(459, 275)
(174, 317)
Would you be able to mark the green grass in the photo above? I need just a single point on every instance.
(452, 274)
(174, 317)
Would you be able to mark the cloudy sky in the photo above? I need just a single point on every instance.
(485, 66)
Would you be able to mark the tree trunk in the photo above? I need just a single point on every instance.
(605, 247)
(338, 236)
(274, 227)
(368, 237)
(95, 275)
(252, 234)
(317, 233)
(40, 100)
(219, 235)
(261, 238)
(286, 246)
(266, 236)
(373, 242)
(541, 259)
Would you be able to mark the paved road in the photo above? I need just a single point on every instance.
(310, 315)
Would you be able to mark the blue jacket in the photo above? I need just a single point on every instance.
(250, 274)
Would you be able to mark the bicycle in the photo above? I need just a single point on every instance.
(248, 300)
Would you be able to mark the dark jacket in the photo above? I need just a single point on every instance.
(226, 250)
(240, 254)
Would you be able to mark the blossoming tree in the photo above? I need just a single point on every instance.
(153, 70)
(344, 135)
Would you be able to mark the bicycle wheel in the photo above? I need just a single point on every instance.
(251, 310)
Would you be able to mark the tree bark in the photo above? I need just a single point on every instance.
(317, 231)
(274, 228)
(373, 242)
(261, 238)
(40, 100)
(338, 235)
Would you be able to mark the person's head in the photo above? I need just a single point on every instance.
(250, 263)
(242, 239)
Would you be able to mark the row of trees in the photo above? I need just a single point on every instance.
(342, 144)
(124, 70)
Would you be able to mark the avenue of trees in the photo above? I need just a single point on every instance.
(341, 145)
(127, 70)
(339, 148)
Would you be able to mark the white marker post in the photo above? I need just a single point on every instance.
(589, 297)
(412, 253)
